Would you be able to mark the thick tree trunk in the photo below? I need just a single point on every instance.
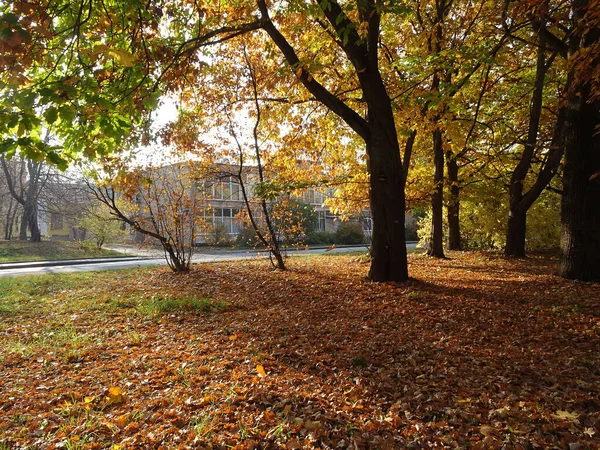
(453, 209)
(437, 200)
(580, 212)
(580, 240)
(516, 233)
(388, 245)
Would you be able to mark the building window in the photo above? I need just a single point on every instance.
(367, 225)
(321, 220)
(228, 217)
(313, 197)
(56, 221)
(226, 188)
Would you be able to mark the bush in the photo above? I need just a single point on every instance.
(321, 238)
(247, 238)
(220, 236)
(349, 233)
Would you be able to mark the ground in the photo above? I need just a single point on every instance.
(18, 251)
(477, 352)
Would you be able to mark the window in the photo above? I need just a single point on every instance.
(226, 188)
(322, 221)
(367, 225)
(227, 217)
(56, 221)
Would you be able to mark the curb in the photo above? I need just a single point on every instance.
(67, 262)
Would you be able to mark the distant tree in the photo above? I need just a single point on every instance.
(26, 188)
(101, 225)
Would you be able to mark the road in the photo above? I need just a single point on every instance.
(224, 255)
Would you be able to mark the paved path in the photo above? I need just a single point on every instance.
(152, 258)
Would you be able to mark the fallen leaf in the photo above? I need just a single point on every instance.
(566, 415)
(261, 370)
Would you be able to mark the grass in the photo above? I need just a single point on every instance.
(23, 251)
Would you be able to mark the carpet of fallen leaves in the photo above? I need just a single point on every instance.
(476, 352)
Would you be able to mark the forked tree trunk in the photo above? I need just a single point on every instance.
(453, 208)
(378, 129)
(437, 200)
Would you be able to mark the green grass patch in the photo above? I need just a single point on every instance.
(23, 251)
(168, 304)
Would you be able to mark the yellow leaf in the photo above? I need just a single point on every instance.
(566, 415)
(115, 395)
(123, 57)
(261, 370)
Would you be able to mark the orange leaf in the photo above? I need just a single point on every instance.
(261, 370)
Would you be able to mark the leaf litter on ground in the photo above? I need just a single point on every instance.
(476, 352)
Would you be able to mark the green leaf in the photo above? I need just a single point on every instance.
(67, 113)
(10, 18)
(51, 115)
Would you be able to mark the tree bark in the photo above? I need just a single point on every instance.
(453, 208)
(516, 233)
(32, 222)
(388, 246)
(580, 240)
(437, 200)
(23, 227)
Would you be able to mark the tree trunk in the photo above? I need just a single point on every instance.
(437, 200)
(516, 233)
(23, 227)
(388, 245)
(11, 216)
(580, 240)
(453, 209)
(580, 212)
(516, 228)
(32, 222)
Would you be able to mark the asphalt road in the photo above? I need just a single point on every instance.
(233, 255)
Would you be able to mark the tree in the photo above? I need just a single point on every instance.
(26, 189)
(100, 225)
(160, 203)
(521, 193)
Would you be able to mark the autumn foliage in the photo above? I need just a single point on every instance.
(495, 354)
